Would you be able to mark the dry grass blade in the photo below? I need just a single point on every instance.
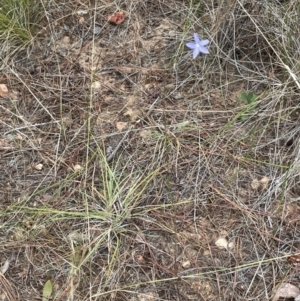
(130, 170)
(7, 288)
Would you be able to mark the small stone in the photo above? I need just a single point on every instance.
(82, 12)
(231, 245)
(97, 29)
(77, 167)
(186, 264)
(96, 85)
(38, 166)
(178, 95)
(3, 90)
(222, 243)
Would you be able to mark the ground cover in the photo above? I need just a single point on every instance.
(130, 170)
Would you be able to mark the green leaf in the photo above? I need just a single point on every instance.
(243, 96)
(250, 96)
(47, 291)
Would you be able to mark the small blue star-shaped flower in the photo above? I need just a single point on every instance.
(198, 46)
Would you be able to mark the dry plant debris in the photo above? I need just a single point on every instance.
(131, 171)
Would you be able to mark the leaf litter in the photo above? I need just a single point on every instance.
(182, 124)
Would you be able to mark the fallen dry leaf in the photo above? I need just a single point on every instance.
(131, 100)
(255, 184)
(149, 296)
(206, 253)
(121, 126)
(5, 143)
(132, 113)
(140, 259)
(81, 20)
(3, 90)
(286, 290)
(145, 133)
(117, 18)
(46, 197)
(96, 85)
(295, 258)
(264, 182)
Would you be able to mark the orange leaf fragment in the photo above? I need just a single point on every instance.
(294, 258)
(117, 18)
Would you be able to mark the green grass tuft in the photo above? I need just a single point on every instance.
(18, 20)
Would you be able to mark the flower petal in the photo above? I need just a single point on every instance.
(204, 42)
(196, 51)
(203, 49)
(196, 38)
(191, 45)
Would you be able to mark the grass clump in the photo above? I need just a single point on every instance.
(19, 20)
